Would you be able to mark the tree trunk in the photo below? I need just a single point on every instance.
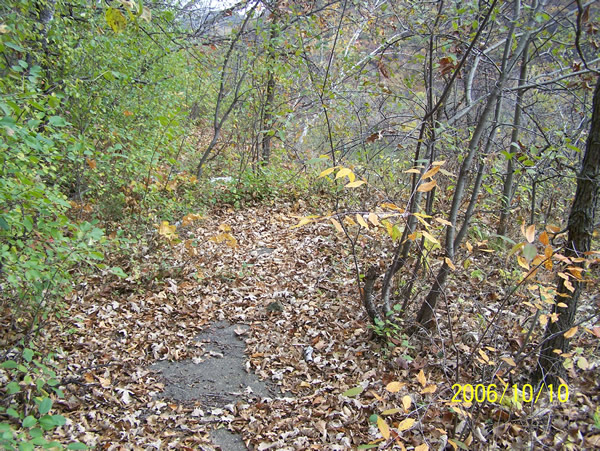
(270, 94)
(508, 190)
(580, 229)
(425, 317)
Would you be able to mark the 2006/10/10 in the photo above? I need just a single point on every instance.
(482, 393)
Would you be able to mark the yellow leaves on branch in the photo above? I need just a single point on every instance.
(343, 172)
(425, 187)
(571, 332)
(337, 225)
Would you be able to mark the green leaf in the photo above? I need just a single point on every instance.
(9, 364)
(11, 412)
(45, 406)
(39, 441)
(27, 354)
(25, 446)
(77, 445)
(118, 272)
(529, 251)
(353, 392)
(57, 121)
(36, 432)
(12, 388)
(29, 421)
(47, 423)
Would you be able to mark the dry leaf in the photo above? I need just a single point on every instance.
(406, 424)
(530, 233)
(337, 225)
(424, 187)
(421, 378)
(383, 427)
(406, 402)
(571, 332)
(431, 172)
(394, 387)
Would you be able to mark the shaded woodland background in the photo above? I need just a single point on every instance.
(451, 147)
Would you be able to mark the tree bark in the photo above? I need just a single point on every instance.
(580, 229)
(270, 94)
(508, 190)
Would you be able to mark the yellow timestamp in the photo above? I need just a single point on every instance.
(467, 393)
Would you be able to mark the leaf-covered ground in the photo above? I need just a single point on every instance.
(308, 334)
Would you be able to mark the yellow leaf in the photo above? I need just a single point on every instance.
(569, 286)
(429, 389)
(394, 387)
(571, 332)
(530, 233)
(91, 163)
(362, 221)
(483, 355)
(343, 173)
(453, 443)
(424, 187)
(576, 271)
(429, 237)
(167, 230)
(406, 402)
(355, 184)
(391, 411)
(190, 218)
(406, 424)
(326, 172)
(351, 177)
(438, 163)
(450, 264)
(422, 447)
(225, 227)
(374, 219)
(544, 238)
(337, 225)
(379, 398)
(469, 246)
(412, 171)
(443, 221)
(225, 237)
(447, 173)
(349, 221)
(421, 378)
(115, 19)
(509, 360)
(383, 427)
(304, 221)
(389, 227)
(391, 206)
(413, 236)
(522, 262)
(431, 172)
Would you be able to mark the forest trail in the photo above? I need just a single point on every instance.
(282, 289)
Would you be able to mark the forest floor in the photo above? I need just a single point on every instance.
(251, 334)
